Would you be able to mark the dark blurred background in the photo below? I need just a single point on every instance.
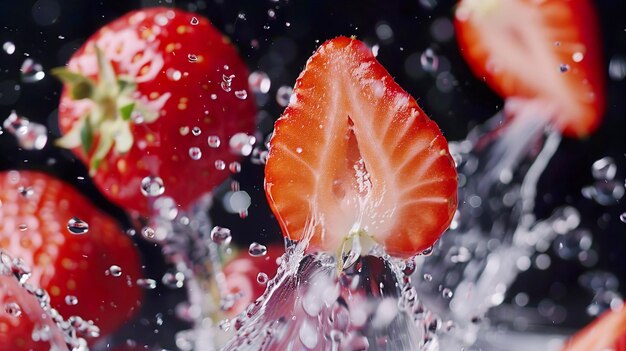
(276, 37)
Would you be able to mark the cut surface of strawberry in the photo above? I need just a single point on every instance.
(354, 155)
(545, 50)
(607, 332)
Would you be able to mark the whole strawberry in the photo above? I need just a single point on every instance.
(75, 252)
(155, 97)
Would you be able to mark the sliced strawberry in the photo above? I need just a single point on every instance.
(353, 154)
(607, 332)
(538, 49)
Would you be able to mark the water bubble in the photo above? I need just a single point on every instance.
(234, 167)
(214, 141)
(259, 82)
(622, 217)
(196, 131)
(220, 165)
(195, 153)
(429, 60)
(241, 94)
(221, 235)
(31, 71)
(384, 31)
(428, 251)
(8, 47)
(241, 144)
(447, 293)
(227, 82)
(283, 95)
(192, 58)
(147, 284)
(148, 232)
(166, 208)
(606, 193)
(194, 21)
(77, 226)
(22, 227)
(262, 278)
(257, 250)
(563, 68)
(30, 135)
(115, 271)
(569, 245)
(71, 300)
(604, 169)
(152, 186)
(13, 309)
(428, 277)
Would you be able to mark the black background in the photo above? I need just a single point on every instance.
(49, 31)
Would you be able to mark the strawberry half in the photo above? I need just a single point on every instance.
(544, 50)
(353, 154)
(607, 332)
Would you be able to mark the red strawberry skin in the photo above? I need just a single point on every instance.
(354, 154)
(34, 216)
(545, 50)
(607, 332)
(178, 61)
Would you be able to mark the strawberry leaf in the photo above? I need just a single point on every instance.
(86, 136)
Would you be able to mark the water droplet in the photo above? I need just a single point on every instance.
(77, 226)
(173, 74)
(283, 95)
(22, 227)
(71, 300)
(259, 82)
(604, 169)
(13, 309)
(224, 324)
(447, 293)
(241, 94)
(148, 232)
(429, 60)
(30, 135)
(31, 71)
(220, 165)
(563, 68)
(227, 82)
(241, 144)
(195, 153)
(578, 56)
(256, 250)
(147, 284)
(617, 68)
(26, 191)
(173, 280)
(152, 186)
(196, 131)
(605, 193)
(427, 252)
(569, 245)
(192, 58)
(8, 47)
(622, 217)
(428, 277)
(214, 141)
(262, 278)
(308, 335)
(115, 270)
(221, 235)
(234, 167)
(194, 21)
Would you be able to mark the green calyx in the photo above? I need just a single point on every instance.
(107, 125)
